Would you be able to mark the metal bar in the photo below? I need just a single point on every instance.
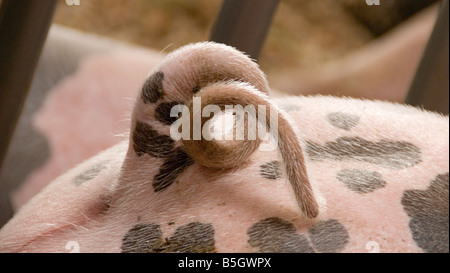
(430, 87)
(24, 26)
(244, 24)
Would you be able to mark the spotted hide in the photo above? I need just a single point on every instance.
(345, 174)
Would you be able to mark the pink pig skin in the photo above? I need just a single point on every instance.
(111, 60)
(97, 214)
(98, 113)
(78, 68)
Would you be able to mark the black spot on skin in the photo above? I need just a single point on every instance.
(171, 168)
(276, 235)
(142, 238)
(152, 90)
(361, 181)
(194, 237)
(162, 112)
(90, 173)
(428, 210)
(271, 170)
(146, 140)
(343, 120)
(328, 236)
(195, 89)
(386, 153)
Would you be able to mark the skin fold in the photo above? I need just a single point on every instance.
(378, 173)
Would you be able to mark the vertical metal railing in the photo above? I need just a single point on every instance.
(430, 87)
(244, 24)
(24, 26)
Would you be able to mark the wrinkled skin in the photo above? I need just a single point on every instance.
(81, 75)
(380, 172)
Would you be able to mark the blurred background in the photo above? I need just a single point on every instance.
(304, 33)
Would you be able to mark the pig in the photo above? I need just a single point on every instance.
(76, 66)
(348, 175)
